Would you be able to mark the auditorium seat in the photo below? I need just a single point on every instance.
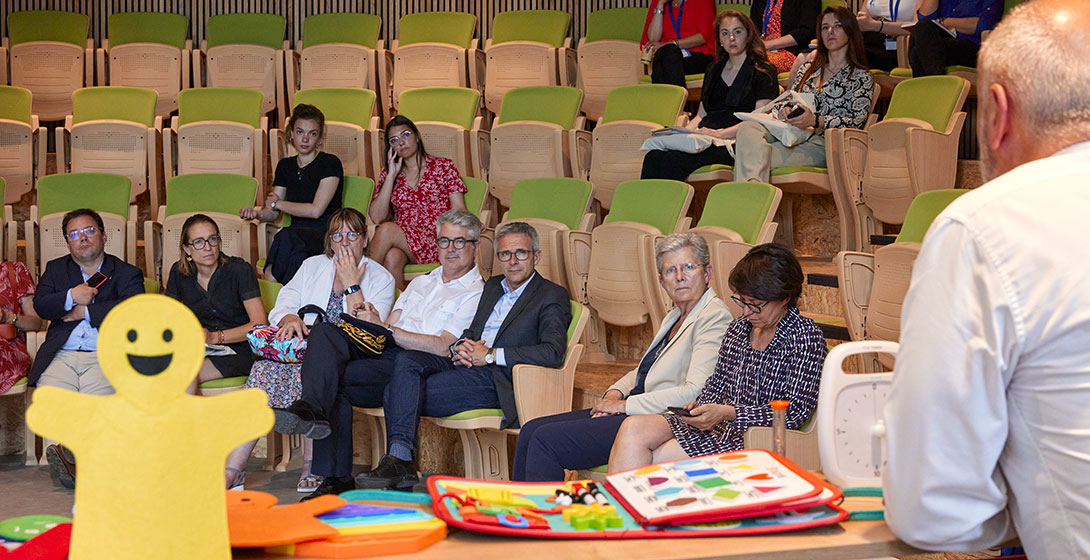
(244, 51)
(449, 125)
(609, 56)
(527, 48)
(149, 50)
(350, 124)
(433, 49)
(8, 229)
(22, 143)
(49, 53)
(340, 50)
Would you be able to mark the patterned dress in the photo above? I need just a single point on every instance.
(14, 360)
(281, 381)
(783, 60)
(418, 209)
(789, 369)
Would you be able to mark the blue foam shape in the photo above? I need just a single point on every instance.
(688, 463)
(668, 491)
(702, 472)
(363, 510)
(421, 498)
(381, 520)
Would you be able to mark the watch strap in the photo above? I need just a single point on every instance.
(351, 289)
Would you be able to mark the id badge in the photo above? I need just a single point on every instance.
(891, 44)
(685, 53)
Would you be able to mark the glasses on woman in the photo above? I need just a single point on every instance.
(200, 242)
(754, 308)
(457, 242)
(403, 138)
(520, 254)
(338, 236)
(85, 232)
(685, 268)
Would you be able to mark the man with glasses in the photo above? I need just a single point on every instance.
(522, 318)
(336, 375)
(75, 293)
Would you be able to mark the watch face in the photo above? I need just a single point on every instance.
(489, 358)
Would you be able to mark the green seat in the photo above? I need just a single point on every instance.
(713, 167)
(47, 25)
(220, 104)
(474, 199)
(540, 26)
(923, 210)
(655, 103)
(560, 199)
(147, 49)
(553, 104)
(744, 8)
(348, 120)
(269, 291)
(244, 50)
(350, 105)
(102, 192)
(781, 171)
(828, 3)
(114, 103)
(266, 30)
(151, 286)
(451, 28)
(742, 207)
(932, 99)
(615, 24)
(352, 28)
(454, 105)
(60, 40)
(225, 382)
(148, 27)
(356, 192)
(210, 192)
(690, 79)
(655, 202)
(22, 137)
(15, 104)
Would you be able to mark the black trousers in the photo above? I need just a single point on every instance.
(677, 165)
(931, 50)
(878, 58)
(336, 376)
(670, 67)
(290, 247)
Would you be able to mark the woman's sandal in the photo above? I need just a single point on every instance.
(308, 482)
(239, 482)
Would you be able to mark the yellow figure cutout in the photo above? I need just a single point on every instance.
(150, 457)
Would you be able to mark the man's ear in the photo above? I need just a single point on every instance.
(997, 111)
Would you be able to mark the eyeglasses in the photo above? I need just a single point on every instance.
(75, 234)
(198, 243)
(520, 254)
(457, 242)
(752, 307)
(403, 138)
(685, 268)
(338, 236)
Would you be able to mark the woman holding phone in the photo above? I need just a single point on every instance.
(414, 190)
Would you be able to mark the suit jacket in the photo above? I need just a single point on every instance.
(61, 274)
(798, 18)
(534, 332)
(688, 360)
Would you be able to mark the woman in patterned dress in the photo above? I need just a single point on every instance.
(16, 309)
(769, 353)
(787, 27)
(414, 190)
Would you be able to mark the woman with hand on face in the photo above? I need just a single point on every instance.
(222, 292)
(770, 353)
(671, 373)
(741, 80)
(837, 76)
(307, 187)
(678, 36)
(414, 190)
(787, 27)
(339, 280)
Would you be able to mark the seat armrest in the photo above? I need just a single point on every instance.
(100, 65)
(577, 262)
(153, 251)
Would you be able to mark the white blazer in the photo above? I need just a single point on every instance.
(314, 280)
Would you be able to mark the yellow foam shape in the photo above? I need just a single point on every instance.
(648, 470)
(150, 456)
(499, 497)
(389, 527)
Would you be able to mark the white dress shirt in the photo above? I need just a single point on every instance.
(499, 314)
(988, 418)
(430, 306)
(313, 282)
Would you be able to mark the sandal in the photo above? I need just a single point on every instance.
(239, 482)
(308, 482)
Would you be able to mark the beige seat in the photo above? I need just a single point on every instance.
(433, 49)
(217, 130)
(148, 50)
(873, 286)
(449, 125)
(22, 143)
(31, 442)
(535, 136)
(912, 150)
(113, 129)
(527, 48)
(340, 50)
(350, 127)
(244, 51)
(607, 266)
(609, 55)
(48, 52)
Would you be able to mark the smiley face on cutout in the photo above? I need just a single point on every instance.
(150, 347)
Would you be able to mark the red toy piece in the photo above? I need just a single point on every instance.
(50, 545)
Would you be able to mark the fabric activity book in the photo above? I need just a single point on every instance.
(745, 492)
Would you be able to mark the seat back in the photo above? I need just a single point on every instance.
(474, 195)
(239, 105)
(112, 132)
(552, 206)
(538, 26)
(615, 24)
(451, 28)
(924, 209)
(146, 50)
(57, 37)
(659, 203)
(218, 130)
(339, 51)
(352, 28)
(445, 117)
(609, 55)
(209, 192)
(269, 291)
(104, 193)
(745, 208)
(266, 30)
(16, 141)
(523, 52)
(133, 104)
(151, 286)
(243, 52)
(655, 103)
(744, 8)
(347, 114)
(932, 99)
(147, 27)
(357, 192)
(552, 104)
(431, 50)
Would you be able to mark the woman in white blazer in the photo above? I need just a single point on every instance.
(673, 370)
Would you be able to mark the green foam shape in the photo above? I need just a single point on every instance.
(711, 482)
(727, 494)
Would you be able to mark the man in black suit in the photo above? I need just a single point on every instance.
(74, 298)
(522, 318)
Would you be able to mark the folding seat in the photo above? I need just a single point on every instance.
(434, 49)
(104, 193)
(350, 126)
(873, 286)
(22, 143)
(912, 150)
(631, 114)
(535, 136)
(244, 51)
(218, 195)
(217, 130)
(338, 51)
(49, 53)
(149, 50)
(449, 127)
(113, 129)
(527, 48)
(609, 55)
(8, 229)
(607, 266)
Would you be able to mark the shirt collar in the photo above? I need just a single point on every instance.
(518, 292)
(465, 279)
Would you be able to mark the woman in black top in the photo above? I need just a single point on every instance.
(306, 187)
(741, 80)
(222, 292)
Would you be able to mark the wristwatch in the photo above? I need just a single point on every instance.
(658, 11)
(351, 289)
(490, 357)
(273, 205)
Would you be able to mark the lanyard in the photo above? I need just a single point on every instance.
(677, 22)
(769, 7)
(895, 6)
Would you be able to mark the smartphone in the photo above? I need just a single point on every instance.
(796, 112)
(679, 410)
(97, 279)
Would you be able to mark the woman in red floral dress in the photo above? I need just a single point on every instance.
(787, 26)
(17, 310)
(414, 189)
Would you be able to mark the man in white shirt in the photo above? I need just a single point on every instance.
(336, 374)
(988, 419)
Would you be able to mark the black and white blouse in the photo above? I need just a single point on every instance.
(788, 369)
(844, 100)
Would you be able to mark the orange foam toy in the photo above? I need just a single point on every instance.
(255, 520)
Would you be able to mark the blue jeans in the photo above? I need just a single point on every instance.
(430, 385)
(571, 440)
